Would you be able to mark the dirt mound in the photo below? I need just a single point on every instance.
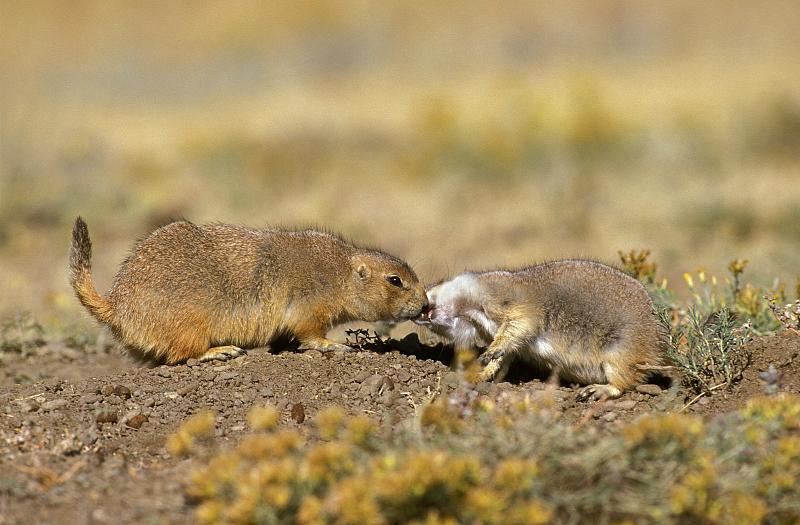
(83, 435)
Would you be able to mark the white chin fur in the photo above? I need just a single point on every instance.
(459, 326)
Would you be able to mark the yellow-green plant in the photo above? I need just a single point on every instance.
(747, 301)
(707, 339)
(712, 351)
(510, 460)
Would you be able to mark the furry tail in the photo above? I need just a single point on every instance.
(80, 274)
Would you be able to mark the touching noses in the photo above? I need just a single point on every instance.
(426, 307)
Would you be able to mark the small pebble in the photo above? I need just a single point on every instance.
(609, 416)
(386, 385)
(54, 404)
(363, 376)
(106, 415)
(298, 413)
(136, 421)
(192, 362)
(266, 392)
(187, 389)
(88, 437)
(626, 405)
(227, 376)
(652, 390)
(91, 399)
(53, 385)
(29, 405)
(122, 391)
(371, 385)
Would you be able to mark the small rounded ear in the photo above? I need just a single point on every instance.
(361, 269)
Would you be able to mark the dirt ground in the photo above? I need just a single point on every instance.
(82, 434)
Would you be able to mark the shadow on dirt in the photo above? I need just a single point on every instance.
(521, 371)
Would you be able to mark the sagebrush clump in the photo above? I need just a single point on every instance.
(707, 338)
(510, 460)
(711, 351)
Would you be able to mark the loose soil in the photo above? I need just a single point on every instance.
(82, 433)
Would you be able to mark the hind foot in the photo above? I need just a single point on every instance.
(598, 392)
(222, 353)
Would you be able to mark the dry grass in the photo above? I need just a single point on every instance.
(456, 136)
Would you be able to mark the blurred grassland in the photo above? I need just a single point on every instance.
(457, 135)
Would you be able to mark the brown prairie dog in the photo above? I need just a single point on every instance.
(207, 292)
(582, 320)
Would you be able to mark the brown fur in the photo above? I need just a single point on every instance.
(585, 321)
(192, 291)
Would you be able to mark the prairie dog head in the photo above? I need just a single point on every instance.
(385, 288)
(455, 312)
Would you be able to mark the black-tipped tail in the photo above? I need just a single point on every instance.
(80, 273)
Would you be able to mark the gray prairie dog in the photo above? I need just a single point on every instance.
(582, 320)
(208, 292)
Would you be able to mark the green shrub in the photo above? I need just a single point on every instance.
(510, 460)
(712, 351)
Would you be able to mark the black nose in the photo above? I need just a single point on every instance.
(426, 308)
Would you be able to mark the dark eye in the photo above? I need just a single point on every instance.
(394, 280)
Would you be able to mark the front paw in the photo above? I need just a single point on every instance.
(490, 370)
(490, 356)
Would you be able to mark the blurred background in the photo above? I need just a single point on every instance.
(454, 134)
